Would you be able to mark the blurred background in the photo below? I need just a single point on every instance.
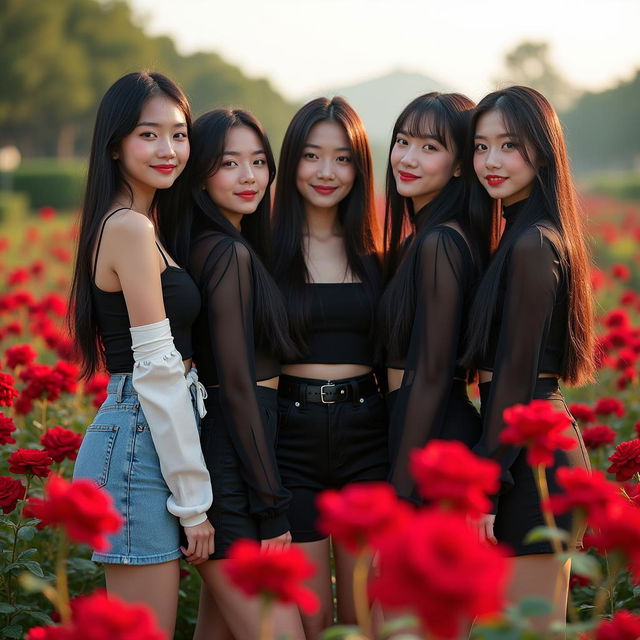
(57, 59)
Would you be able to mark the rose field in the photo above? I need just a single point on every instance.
(428, 562)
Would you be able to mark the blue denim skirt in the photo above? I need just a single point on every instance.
(118, 453)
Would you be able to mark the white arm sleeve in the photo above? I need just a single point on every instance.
(158, 378)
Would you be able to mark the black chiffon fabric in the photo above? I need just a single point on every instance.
(528, 335)
(442, 266)
(225, 353)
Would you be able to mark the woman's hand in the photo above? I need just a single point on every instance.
(279, 543)
(485, 527)
(200, 544)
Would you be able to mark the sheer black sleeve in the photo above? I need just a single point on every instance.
(443, 270)
(533, 278)
(223, 268)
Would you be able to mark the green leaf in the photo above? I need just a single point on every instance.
(5, 607)
(26, 533)
(573, 627)
(543, 534)
(40, 616)
(496, 633)
(82, 565)
(12, 631)
(534, 606)
(342, 632)
(390, 627)
(35, 568)
(583, 564)
(27, 553)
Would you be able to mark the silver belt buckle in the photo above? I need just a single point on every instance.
(322, 392)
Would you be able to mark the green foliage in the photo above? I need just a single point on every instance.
(625, 186)
(14, 206)
(52, 182)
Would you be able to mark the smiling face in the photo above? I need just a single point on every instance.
(154, 154)
(422, 166)
(325, 173)
(499, 162)
(239, 184)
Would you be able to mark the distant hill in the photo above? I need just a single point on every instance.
(380, 100)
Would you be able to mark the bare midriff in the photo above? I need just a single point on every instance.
(325, 371)
(394, 378)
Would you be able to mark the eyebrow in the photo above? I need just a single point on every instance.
(317, 146)
(155, 124)
(431, 136)
(502, 135)
(237, 153)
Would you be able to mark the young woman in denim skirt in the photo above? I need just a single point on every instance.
(332, 418)
(531, 322)
(240, 338)
(431, 278)
(132, 311)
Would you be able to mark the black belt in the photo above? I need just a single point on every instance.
(330, 392)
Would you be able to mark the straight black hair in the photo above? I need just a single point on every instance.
(356, 212)
(444, 117)
(118, 115)
(532, 121)
(207, 148)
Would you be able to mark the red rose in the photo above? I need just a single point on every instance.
(598, 436)
(438, 568)
(14, 328)
(621, 272)
(628, 376)
(539, 427)
(618, 529)
(11, 490)
(102, 617)
(618, 318)
(609, 406)
(6, 429)
(18, 276)
(42, 380)
(447, 472)
(632, 493)
(47, 213)
(30, 461)
(20, 354)
(7, 390)
(628, 298)
(84, 510)
(359, 514)
(578, 581)
(69, 373)
(582, 412)
(590, 492)
(279, 574)
(61, 443)
(625, 460)
(626, 358)
(623, 626)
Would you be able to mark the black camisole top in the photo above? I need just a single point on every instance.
(181, 303)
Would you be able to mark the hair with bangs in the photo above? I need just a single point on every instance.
(356, 212)
(118, 115)
(530, 118)
(445, 118)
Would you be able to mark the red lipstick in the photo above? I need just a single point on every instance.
(495, 181)
(405, 176)
(163, 168)
(246, 195)
(322, 190)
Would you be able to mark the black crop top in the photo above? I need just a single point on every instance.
(226, 355)
(342, 316)
(529, 334)
(181, 304)
(444, 271)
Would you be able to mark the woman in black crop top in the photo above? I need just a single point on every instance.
(132, 310)
(531, 321)
(332, 423)
(240, 338)
(431, 278)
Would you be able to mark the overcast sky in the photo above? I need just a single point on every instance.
(303, 46)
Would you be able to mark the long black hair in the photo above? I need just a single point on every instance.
(118, 115)
(444, 117)
(207, 148)
(532, 120)
(356, 212)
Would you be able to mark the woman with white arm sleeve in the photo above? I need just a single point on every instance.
(132, 311)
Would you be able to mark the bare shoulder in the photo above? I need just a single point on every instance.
(129, 226)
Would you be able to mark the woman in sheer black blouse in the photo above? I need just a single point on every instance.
(239, 339)
(425, 305)
(531, 321)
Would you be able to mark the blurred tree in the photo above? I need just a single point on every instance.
(528, 64)
(58, 58)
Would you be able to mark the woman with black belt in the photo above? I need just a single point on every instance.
(239, 338)
(332, 419)
(432, 276)
(531, 321)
